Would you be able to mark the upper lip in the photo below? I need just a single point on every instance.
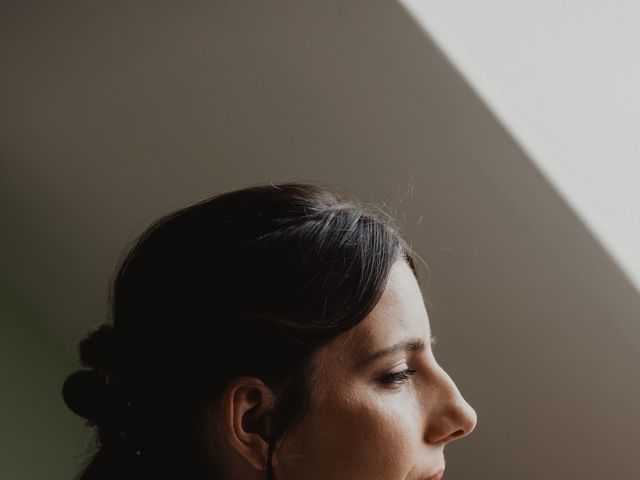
(437, 476)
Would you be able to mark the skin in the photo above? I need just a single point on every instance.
(365, 422)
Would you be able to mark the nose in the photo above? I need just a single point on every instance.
(452, 418)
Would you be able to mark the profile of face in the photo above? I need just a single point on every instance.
(382, 406)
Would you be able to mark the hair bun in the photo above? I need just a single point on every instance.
(86, 394)
(101, 350)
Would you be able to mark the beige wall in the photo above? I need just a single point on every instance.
(118, 112)
(563, 77)
(39, 437)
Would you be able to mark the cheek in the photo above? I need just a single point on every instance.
(360, 435)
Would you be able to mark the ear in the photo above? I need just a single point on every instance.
(246, 409)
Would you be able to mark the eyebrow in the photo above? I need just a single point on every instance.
(411, 345)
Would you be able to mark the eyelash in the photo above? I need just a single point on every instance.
(397, 378)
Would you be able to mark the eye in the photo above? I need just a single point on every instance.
(396, 378)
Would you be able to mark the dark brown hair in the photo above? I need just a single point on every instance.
(271, 271)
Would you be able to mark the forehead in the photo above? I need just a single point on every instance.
(399, 315)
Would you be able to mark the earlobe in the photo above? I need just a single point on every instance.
(247, 408)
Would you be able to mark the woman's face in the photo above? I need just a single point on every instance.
(383, 408)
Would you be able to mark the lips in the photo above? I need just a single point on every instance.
(437, 476)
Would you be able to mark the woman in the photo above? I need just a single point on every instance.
(272, 332)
